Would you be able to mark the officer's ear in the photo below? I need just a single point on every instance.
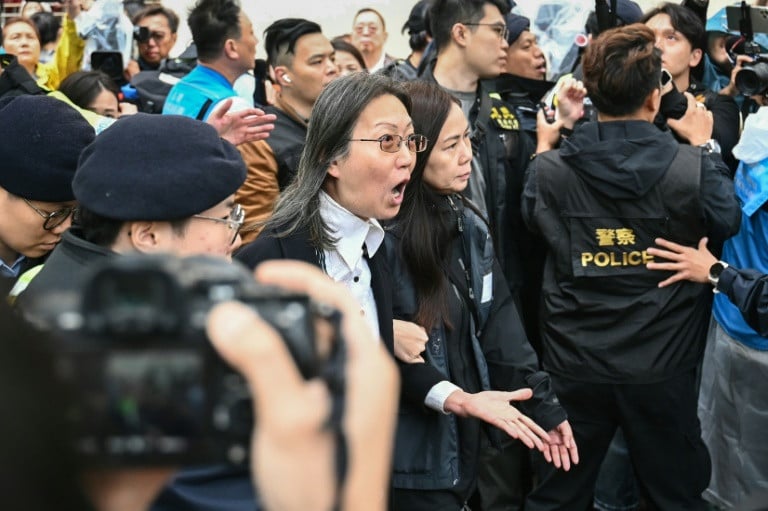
(145, 236)
(652, 104)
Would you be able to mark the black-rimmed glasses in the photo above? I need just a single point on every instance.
(501, 30)
(234, 220)
(391, 143)
(55, 218)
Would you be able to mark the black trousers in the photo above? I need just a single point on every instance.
(662, 432)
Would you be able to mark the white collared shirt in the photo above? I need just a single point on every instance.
(346, 263)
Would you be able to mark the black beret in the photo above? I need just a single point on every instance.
(157, 167)
(40, 140)
(516, 25)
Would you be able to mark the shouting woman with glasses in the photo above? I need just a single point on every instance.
(360, 149)
(465, 358)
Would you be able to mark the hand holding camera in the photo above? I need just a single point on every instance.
(293, 451)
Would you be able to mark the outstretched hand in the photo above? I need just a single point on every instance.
(242, 126)
(495, 408)
(561, 449)
(688, 263)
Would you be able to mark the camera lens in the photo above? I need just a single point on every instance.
(753, 79)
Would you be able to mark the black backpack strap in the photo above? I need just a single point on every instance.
(204, 109)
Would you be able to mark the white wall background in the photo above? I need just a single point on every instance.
(335, 16)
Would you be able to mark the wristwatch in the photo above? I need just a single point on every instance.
(714, 274)
(711, 146)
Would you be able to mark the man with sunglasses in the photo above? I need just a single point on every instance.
(176, 198)
(36, 179)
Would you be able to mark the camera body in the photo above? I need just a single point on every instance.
(147, 387)
(141, 34)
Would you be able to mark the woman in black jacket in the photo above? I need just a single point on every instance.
(477, 359)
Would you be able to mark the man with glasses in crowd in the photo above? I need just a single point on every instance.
(176, 198)
(36, 179)
(369, 34)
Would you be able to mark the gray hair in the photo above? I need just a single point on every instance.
(333, 119)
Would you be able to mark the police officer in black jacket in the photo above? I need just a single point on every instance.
(621, 350)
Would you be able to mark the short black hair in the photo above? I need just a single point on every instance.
(103, 231)
(212, 22)
(155, 10)
(281, 36)
(444, 14)
(48, 24)
(82, 87)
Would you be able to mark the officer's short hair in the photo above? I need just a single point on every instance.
(621, 68)
(155, 10)
(212, 22)
(281, 36)
(444, 14)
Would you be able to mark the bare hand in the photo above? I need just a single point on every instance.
(547, 134)
(245, 125)
(292, 450)
(562, 450)
(72, 8)
(131, 70)
(697, 123)
(688, 263)
(410, 341)
(127, 109)
(570, 101)
(495, 408)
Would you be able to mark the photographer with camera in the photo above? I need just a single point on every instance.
(155, 41)
(680, 36)
(292, 452)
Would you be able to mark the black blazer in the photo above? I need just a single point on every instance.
(268, 245)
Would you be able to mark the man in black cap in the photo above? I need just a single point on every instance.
(41, 140)
(418, 38)
(164, 197)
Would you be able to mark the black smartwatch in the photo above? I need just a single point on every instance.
(714, 274)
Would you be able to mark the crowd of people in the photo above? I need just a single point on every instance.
(552, 287)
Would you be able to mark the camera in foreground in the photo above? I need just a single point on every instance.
(147, 386)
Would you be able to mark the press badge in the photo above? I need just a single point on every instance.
(487, 288)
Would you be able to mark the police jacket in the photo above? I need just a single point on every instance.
(501, 151)
(272, 165)
(485, 348)
(599, 202)
(524, 95)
